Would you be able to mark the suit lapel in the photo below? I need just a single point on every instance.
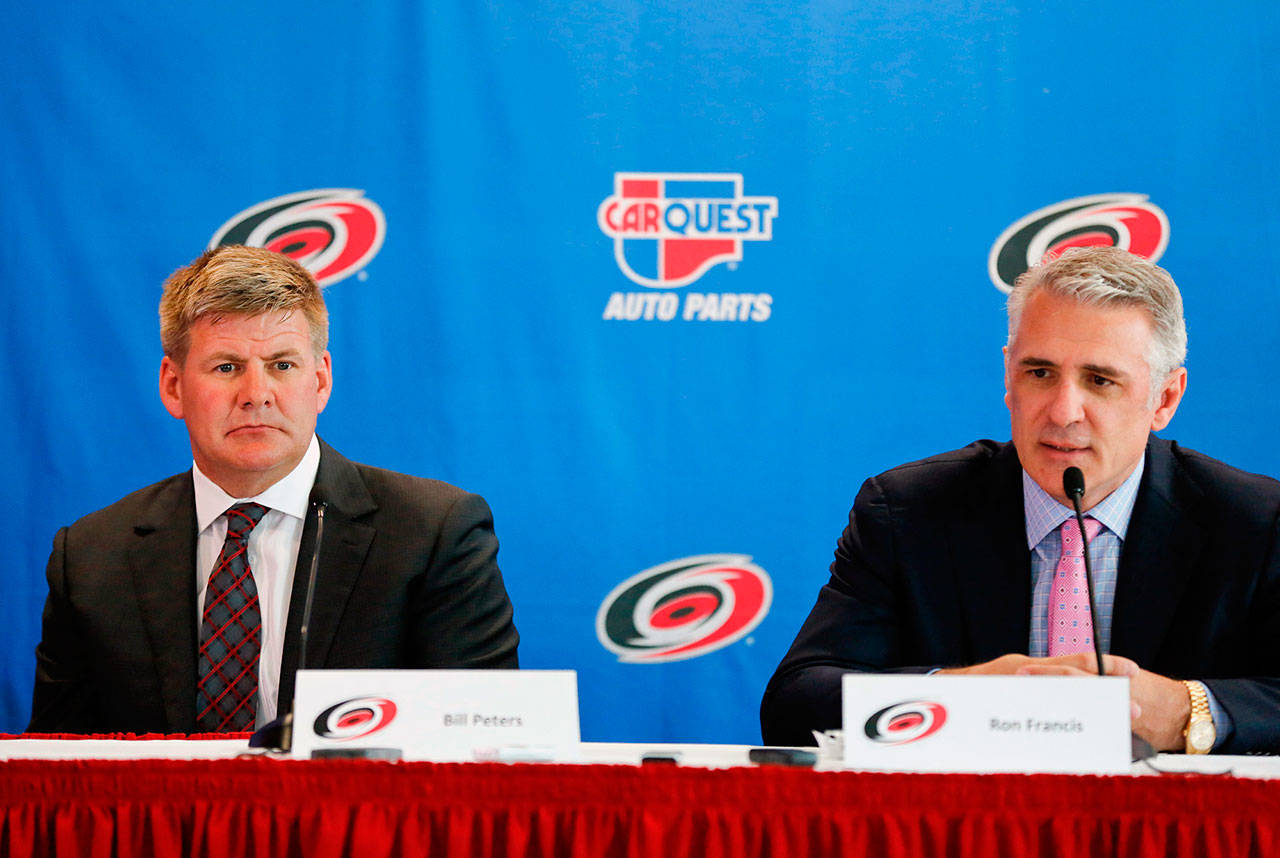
(992, 563)
(345, 545)
(162, 562)
(1161, 548)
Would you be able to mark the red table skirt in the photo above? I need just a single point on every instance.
(261, 807)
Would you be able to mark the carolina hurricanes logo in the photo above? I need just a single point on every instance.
(355, 718)
(333, 233)
(685, 608)
(1126, 221)
(906, 722)
(669, 229)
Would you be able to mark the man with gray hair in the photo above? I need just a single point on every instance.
(964, 562)
(178, 609)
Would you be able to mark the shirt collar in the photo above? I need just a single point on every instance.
(289, 494)
(1044, 514)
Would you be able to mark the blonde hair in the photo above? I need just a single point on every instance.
(237, 280)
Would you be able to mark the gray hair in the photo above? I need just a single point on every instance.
(1111, 277)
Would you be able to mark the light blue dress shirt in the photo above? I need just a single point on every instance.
(1044, 521)
(1044, 518)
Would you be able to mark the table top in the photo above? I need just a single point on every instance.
(606, 753)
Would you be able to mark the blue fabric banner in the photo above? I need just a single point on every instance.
(663, 282)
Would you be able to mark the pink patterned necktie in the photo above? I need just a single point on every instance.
(1070, 627)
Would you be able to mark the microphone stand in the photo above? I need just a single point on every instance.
(286, 724)
(1073, 486)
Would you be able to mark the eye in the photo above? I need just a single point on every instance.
(225, 368)
(283, 365)
(1100, 381)
(1038, 372)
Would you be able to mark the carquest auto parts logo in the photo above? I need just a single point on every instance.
(669, 230)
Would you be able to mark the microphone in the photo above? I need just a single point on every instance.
(282, 727)
(286, 727)
(304, 632)
(1073, 484)
(1073, 487)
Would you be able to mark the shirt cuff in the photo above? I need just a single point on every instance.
(1223, 726)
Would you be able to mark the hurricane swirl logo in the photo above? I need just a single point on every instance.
(333, 232)
(1126, 221)
(355, 718)
(684, 608)
(669, 229)
(906, 722)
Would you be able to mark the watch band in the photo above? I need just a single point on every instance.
(1200, 733)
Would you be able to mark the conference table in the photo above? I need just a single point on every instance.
(193, 796)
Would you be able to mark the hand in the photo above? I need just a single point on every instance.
(1166, 710)
(1159, 707)
(1086, 664)
(1080, 664)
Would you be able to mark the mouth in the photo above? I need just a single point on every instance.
(254, 429)
(1064, 449)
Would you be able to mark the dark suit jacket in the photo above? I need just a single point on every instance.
(408, 578)
(934, 571)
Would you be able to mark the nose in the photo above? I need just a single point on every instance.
(1067, 405)
(255, 387)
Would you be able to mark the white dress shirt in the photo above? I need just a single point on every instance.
(273, 554)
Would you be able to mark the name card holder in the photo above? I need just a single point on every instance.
(918, 723)
(439, 715)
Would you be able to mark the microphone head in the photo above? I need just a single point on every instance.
(1073, 482)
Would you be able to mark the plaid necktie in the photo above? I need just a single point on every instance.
(1070, 626)
(230, 633)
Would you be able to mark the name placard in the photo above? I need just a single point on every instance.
(915, 723)
(441, 715)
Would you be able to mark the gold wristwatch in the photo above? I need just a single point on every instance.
(1200, 733)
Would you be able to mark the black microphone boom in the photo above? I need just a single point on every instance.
(286, 727)
(305, 631)
(1073, 487)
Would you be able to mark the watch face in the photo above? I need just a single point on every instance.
(1200, 736)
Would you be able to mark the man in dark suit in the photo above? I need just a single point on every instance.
(407, 577)
(952, 564)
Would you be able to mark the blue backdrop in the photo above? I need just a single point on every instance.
(894, 140)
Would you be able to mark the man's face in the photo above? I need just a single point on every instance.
(1078, 389)
(249, 391)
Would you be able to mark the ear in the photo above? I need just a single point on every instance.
(1005, 351)
(1170, 395)
(171, 386)
(324, 381)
